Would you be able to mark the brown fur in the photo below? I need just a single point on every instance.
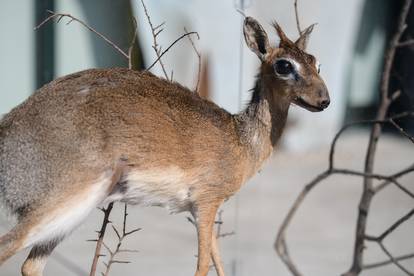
(118, 134)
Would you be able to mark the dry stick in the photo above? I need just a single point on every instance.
(168, 48)
(280, 244)
(297, 18)
(409, 42)
(390, 229)
(384, 184)
(155, 31)
(383, 263)
(118, 249)
(400, 129)
(99, 241)
(132, 43)
(387, 232)
(59, 17)
(199, 59)
(392, 259)
(219, 222)
(368, 190)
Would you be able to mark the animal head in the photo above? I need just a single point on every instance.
(288, 67)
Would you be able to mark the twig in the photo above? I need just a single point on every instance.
(297, 18)
(280, 244)
(390, 229)
(59, 17)
(155, 31)
(199, 59)
(168, 48)
(99, 242)
(406, 43)
(378, 264)
(132, 43)
(384, 184)
(393, 260)
(219, 222)
(401, 130)
(121, 236)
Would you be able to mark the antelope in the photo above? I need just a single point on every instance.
(105, 135)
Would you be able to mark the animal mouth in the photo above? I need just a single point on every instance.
(302, 103)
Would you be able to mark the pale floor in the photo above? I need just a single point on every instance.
(320, 239)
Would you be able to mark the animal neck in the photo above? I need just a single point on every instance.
(262, 122)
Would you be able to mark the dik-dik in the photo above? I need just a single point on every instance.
(105, 135)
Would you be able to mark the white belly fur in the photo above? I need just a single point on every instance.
(166, 187)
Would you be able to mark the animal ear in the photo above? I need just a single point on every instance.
(303, 40)
(256, 37)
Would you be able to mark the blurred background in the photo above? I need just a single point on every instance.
(349, 42)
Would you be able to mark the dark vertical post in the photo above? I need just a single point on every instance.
(44, 44)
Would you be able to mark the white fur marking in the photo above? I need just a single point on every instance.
(63, 220)
(159, 187)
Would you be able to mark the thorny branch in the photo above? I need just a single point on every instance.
(369, 189)
(155, 31)
(101, 235)
(121, 236)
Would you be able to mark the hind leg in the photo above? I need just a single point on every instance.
(12, 242)
(36, 261)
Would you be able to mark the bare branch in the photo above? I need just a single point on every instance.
(59, 17)
(132, 43)
(168, 48)
(155, 31)
(390, 229)
(297, 18)
(99, 243)
(121, 237)
(199, 59)
(392, 259)
(401, 130)
(387, 182)
(399, 258)
(406, 43)
(385, 101)
(280, 244)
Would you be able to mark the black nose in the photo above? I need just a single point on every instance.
(324, 103)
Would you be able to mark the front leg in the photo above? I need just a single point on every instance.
(205, 216)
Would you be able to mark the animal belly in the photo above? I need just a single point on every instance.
(164, 188)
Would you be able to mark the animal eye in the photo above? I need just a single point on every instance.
(283, 67)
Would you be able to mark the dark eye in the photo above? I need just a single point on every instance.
(283, 67)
